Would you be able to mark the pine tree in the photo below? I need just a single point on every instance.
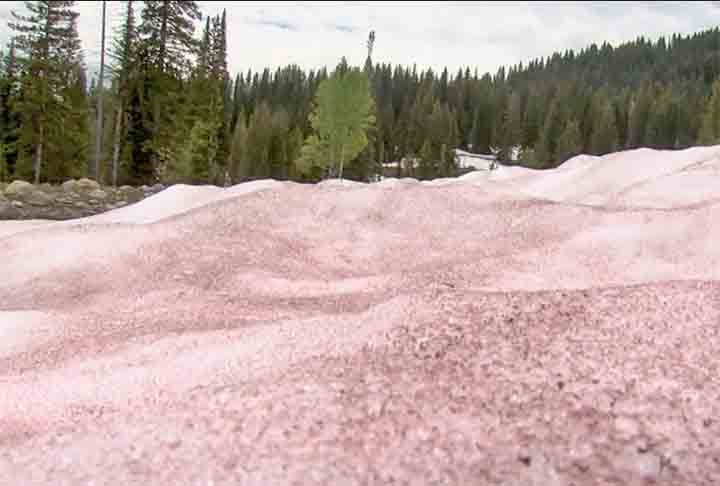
(237, 162)
(9, 116)
(221, 106)
(48, 48)
(427, 168)
(259, 139)
(167, 31)
(604, 136)
(639, 114)
(663, 122)
(710, 126)
(511, 128)
(570, 142)
(167, 47)
(546, 147)
(278, 150)
(124, 70)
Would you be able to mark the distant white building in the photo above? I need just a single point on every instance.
(468, 160)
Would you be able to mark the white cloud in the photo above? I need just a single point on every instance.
(482, 35)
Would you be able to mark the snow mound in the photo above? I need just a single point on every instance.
(340, 183)
(395, 182)
(8, 228)
(175, 200)
(633, 178)
(276, 338)
(20, 329)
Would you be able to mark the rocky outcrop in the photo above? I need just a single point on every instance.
(73, 199)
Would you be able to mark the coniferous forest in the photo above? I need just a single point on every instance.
(173, 112)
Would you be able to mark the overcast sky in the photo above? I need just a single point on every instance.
(482, 35)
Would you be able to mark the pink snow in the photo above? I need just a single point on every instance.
(505, 327)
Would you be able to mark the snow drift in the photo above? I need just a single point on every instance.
(551, 327)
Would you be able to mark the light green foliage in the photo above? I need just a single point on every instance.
(342, 116)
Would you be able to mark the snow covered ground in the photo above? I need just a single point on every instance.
(508, 327)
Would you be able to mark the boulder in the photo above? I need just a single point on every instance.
(98, 194)
(88, 185)
(70, 186)
(18, 188)
(37, 198)
(8, 211)
(135, 196)
(63, 200)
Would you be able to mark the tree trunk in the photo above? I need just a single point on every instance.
(116, 143)
(342, 157)
(99, 125)
(38, 155)
(163, 34)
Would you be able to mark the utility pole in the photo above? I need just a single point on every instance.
(99, 124)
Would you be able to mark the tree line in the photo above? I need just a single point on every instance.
(173, 113)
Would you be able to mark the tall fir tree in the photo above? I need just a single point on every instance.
(9, 116)
(167, 46)
(570, 142)
(124, 70)
(50, 61)
(710, 126)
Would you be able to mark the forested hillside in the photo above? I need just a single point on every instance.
(174, 112)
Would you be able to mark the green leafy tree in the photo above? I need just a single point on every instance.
(340, 121)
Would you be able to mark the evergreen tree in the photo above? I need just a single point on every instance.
(427, 168)
(710, 127)
(167, 47)
(167, 31)
(49, 54)
(511, 127)
(640, 108)
(124, 70)
(604, 136)
(237, 162)
(259, 139)
(570, 142)
(221, 105)
(9, 116)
